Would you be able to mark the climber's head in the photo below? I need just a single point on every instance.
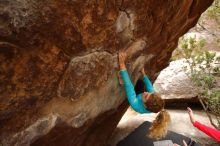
(153, 101)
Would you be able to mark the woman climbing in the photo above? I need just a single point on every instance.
(145, 102)
(214, 133)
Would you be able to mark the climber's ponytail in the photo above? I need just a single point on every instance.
(159, 126)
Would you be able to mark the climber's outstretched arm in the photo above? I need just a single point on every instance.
(147, 82)
(129, 88)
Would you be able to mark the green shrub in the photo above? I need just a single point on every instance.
(201, 71)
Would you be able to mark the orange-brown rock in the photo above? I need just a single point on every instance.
(58, 63)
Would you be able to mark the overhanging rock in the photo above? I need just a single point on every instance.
(58, 63)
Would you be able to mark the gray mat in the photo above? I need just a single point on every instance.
(138, 137)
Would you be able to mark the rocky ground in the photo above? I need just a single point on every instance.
(180, 124)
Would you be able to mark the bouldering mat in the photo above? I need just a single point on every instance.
(138, 137)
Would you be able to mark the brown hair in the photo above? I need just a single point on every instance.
(159, 126)
(155, 103)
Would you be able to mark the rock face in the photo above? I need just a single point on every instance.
(58, 63)
(176, 87)
(173, 82)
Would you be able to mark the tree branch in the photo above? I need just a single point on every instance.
(208, 114)
(204, 28)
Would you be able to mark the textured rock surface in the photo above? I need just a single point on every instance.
(58, 63)
(174, 84)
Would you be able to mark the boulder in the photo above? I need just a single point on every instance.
(58, 63)
(176, 87)
(173, 82)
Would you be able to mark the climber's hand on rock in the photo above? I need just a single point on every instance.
(143, 71)
(121, 60)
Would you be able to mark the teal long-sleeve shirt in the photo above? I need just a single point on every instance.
(134, 100)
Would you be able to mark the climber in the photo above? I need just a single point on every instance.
(145, 102)
(214, 133)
